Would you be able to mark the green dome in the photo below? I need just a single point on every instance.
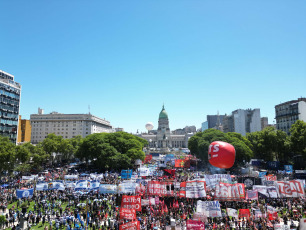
(163, 114)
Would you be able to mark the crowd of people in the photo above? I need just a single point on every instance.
(68, 209)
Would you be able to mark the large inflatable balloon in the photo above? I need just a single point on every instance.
(221, 154)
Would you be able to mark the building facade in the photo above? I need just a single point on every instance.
(9, 109)
(264, 123)
(204, 126)
(24, 130)
(242, 121)
(66, 125)
(289, 112)
(214, 121)
(163, 138)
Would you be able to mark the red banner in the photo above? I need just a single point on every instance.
(160, 188)
(153, 188)
(148, 158)
(182, 189)
(131, 202)
(271, 178)
(133, 225)
(244, 213)
(129, 214)
(273, 216)
(195, 225)
(179, 163)
(226, 191)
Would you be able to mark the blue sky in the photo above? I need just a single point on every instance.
(126, 58)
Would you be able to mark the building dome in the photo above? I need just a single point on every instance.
(163, 114)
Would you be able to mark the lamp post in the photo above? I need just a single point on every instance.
(150, 141)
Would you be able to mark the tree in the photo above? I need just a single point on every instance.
(199, 144)
(298, 138)
(269, 144)
(7, 154)
(111, 150)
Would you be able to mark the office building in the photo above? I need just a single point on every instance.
(215, 121)
(289, 112)
(204, 126)
(242, 121)
(66, 125)
(24, 130)
(264, 123)
(9, 109)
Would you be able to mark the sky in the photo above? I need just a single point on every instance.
(124, 59)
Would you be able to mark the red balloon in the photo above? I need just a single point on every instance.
(221, 154)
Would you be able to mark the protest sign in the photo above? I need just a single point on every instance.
(232, 212)
(209, 208)
(212, 180)
(195, 225)
(195, 189)
(129, 187)
(131, 202)
(129, 214)
(107, 189)
(126, 174)
(244, 213)
(226, 191)
(251, 195)
(24, 193)
(292, 188)
(133, 225)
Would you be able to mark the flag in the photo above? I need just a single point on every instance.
(24, 193)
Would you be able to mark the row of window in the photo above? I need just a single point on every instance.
(9, 115)
(9, 94)
(9, 101)
(293, 118)
(8, 122)
(10, 108)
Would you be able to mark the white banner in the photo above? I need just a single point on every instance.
(212, 180)
(195, 189)
(27, 178)
(232, 212)
(268, 191)
(229, 191)
(82, 184)
(41, 186)
(94, 185)
(145, 202)
(56, 185)
(291, 188)
(107, 189)
(209, 208)
(71, 177)
(127, 188)
(144, 171)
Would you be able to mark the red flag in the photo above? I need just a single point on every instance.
(166, 209)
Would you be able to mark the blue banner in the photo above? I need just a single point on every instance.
(288, 168)
(262, 174)
(126, 174)
(94, 185)
(24, 193)
(82, 184)
(274, 165)
(107, 189)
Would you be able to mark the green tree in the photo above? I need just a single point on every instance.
(111, 150)
(298, 138)
(7, 154)
(199, 144)
(269, 144)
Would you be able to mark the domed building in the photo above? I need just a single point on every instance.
(163, 138)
